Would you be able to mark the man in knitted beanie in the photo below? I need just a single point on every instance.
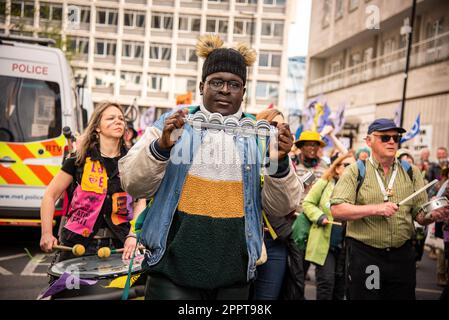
(203, 230)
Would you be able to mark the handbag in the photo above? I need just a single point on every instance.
(301, 227)
(300, 230)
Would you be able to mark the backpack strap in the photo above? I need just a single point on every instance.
(408, 168)
(361, 164)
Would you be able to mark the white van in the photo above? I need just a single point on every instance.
(37, 100)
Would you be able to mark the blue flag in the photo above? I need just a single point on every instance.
(413, 131)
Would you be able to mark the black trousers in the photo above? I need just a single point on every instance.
(330, 277)
(380, 274)
(295, 277)
(159, 287)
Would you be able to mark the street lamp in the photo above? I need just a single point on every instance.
(407, 30)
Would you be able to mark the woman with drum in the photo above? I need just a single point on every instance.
(100, 211)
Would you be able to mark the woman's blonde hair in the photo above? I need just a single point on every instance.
(90, 139)
(268, 114)
(331, 172)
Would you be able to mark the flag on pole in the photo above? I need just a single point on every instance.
(413, 131)
(338, 119)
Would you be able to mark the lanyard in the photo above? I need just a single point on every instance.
(386, 193)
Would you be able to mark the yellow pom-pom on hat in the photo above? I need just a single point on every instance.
(221, 59)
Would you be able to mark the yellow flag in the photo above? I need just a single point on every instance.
(121, 281)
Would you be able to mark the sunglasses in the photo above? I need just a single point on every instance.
(345, 164)
(386, 137)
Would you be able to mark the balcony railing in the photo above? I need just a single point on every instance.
(426, 52)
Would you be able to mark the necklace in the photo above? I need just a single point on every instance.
(116, 154)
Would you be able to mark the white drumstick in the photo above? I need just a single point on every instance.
(414, 194)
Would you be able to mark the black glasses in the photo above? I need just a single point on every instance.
(386, 137)
(218, 84)
(345, 164)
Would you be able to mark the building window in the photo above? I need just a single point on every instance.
(132, 50)
(105, 48)
(49, 11)
(434, 28)
(130, 80)
(355, 59)
(2, 8)
(368, 54)
(267, 90)
(183, 85)
(107, 17)
(189, 24)
(243, 27)
(162, 21)
(338, 9)
(247, 1)
(85, 15)
(269, 60)
(158, 82)
(335, 67)
(185, 55)
(104, 78)
(216, 25)
(274, 2)
(160, 52)
(389, 46)
(326, 13)
(403, 41)
(23, 9)
(79, 45)
(272, 29)
(134, 19)
(353, 4)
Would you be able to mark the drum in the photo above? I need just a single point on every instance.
(92, 267)
(434, 204)
(102, 270)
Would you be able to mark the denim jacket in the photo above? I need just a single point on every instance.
(144, 174)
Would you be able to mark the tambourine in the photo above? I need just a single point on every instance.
(232, 125)
(435, 204)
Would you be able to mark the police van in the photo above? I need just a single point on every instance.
(37, 100)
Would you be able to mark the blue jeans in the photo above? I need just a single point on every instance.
(270, 275)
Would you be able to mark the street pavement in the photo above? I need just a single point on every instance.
(23, 268)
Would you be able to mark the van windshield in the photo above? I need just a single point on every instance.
(30, 110)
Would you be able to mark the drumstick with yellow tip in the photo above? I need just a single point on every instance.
(77, 249)
(105, 252)
(332, 222)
